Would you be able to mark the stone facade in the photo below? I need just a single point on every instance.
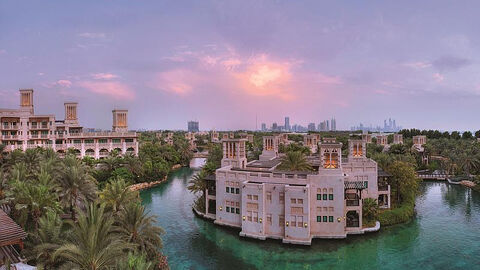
(23, 129)
(294, 206)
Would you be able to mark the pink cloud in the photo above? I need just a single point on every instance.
(64, 83)
(113, 89)
(418, 65)
(438, 77)
(104, 76)
(178, 81)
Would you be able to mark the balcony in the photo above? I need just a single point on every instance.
(76, 145)
(90, 145)
(44, 136)
(9, 127)
(9, 137)
(117, 145)
(352, 199)
(131, 144)
(32, 146)
(382, 187)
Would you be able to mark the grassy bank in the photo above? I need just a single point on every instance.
(398, 215)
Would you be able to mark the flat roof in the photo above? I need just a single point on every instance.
(264, 163)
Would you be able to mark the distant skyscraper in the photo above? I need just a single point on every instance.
(333, 124)
(193, 126)
(264, 127)
(328, 126)
(287, 123)
(311, 127)
(274, 127)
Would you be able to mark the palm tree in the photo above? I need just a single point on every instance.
(133, 164)
(295, 161)
(32, 160)
(76, 184)
(197, 183)
(370, 209)
(32, 200)
(469, 163)
(50, 236)
(117, 194)
(93, 244)
(135, 262)
(138, 227)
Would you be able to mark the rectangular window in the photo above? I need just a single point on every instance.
(325, 197)
(300, 201)
(269, 196)
(281, 197)
(319, 218)
(293, 201)
(237, 210)
(249, 215)
(255, 216)
(299, 221)
(365, 184)
(269, 219)
(293, 221)
(281, 221)
(325, 218)
(255, 197)
(249, 197)
(237, 191)
(228, 209)
(330, 219)
(227, 189)
(319, 197)
(330, 197)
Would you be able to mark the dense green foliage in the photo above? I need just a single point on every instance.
(70, 220)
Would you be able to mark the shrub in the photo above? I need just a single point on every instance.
(402, 214)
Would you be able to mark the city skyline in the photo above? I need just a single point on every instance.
(229, 63)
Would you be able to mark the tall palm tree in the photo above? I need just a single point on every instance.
(138, 227)
(32, 200)
(197, 183)
(117, 194)
(93, 244)
(32, 160)
(370, 209)
(50, 236)
(76, 184)
(133, 164)
(469, 163)
(295, 161)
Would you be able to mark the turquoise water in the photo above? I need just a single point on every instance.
(444, 235)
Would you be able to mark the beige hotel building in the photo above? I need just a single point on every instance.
(294, 206)
(23, 129)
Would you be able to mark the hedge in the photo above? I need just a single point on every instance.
(398, 215)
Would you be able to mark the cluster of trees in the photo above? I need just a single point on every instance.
(198, 185)
(458, 157)
(436, 134)
(71, 221)
(155, 160)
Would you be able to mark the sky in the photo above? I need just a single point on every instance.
(232, 64)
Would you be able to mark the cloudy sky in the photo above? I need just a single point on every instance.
(226, 62)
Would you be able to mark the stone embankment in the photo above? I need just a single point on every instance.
(141, 186)
(466, 183)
